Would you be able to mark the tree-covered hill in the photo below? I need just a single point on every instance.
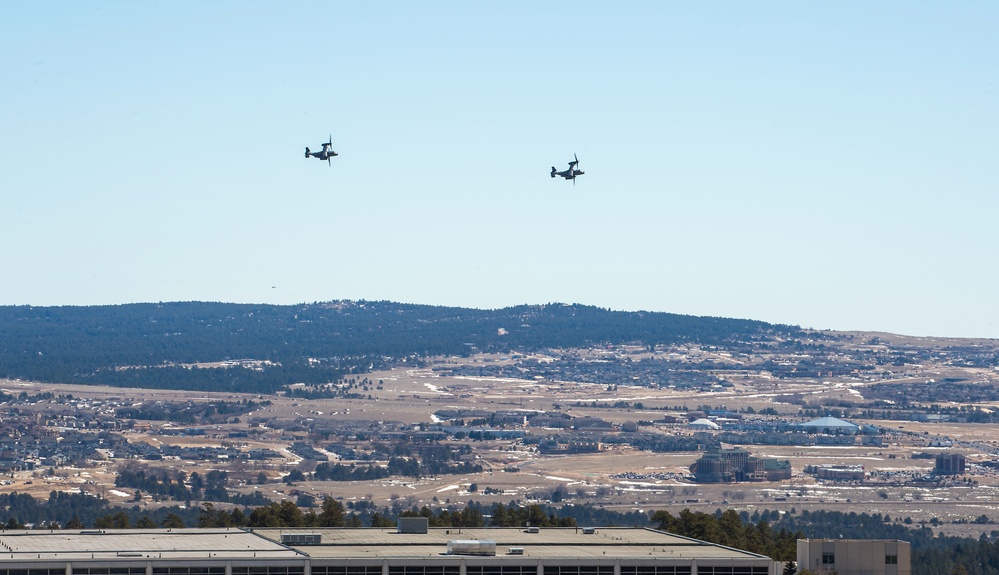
(144, 345)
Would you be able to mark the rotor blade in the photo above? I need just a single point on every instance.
(329, 160)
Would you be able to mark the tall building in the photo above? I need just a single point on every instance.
(730, 465)
(949, 464)
(855, 556)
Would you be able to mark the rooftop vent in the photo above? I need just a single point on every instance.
(471, 547)
(301, 538)
(412, 525)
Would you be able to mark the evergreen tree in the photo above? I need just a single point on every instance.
(173, 521)
(332, 514)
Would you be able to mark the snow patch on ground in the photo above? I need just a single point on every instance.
(436, 389)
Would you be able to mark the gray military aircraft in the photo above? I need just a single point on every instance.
(325, 154)
(571, 173)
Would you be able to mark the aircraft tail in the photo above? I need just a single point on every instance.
(553, 171)
(306, 151)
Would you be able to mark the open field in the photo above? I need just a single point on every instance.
(619, 477)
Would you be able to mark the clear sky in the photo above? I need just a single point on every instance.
(826, 164)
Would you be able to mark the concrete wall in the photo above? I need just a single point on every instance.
(854, 556)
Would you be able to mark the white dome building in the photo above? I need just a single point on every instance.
(830, 425)
(704, 424)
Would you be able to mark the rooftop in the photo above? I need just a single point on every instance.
(355, 544)
(134, 543)
(566, 542)
(828, 422)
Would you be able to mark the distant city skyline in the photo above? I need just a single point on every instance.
(824, 165)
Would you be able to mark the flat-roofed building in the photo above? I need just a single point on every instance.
(300, 551)
(836, 472)
(534, 551)
(146, 552)
(855, 556)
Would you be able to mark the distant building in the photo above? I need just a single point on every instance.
(940, 442)
(834, 472)
(732, 465)
(929, 417)
(830, 426)
(777, 469)
(574, 446)
(855, 556)
(508, 418)
(703, 424)
(870, 430)
(555, 422)
(591, 424)
(872, 440)
(949, 464)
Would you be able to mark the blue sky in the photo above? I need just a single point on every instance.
(825, 164)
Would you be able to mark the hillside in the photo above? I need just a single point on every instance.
(182, 345)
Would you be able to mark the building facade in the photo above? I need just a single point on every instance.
(733, 465)
(855, 556)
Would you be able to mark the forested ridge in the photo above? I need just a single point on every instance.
(153, 344)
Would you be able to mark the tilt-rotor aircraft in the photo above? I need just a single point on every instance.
(572, 172)
(325, 154)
